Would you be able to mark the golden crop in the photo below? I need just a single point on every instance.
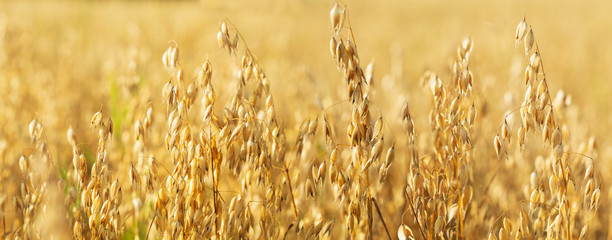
(304, 120)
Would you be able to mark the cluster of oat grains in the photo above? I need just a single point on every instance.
(207, 163)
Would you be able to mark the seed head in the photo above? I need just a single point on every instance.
(529, 41)
(335, 15)
(96, 120)
(521, 30)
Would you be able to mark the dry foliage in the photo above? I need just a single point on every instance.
(196, 162)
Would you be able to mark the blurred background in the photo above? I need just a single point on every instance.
(78, 47)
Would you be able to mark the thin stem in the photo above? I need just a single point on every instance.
(381, 218)
(150, 225)
(370, 218)
(214, 168)
(288, 228)
(295, 214)
(461, 216)
(415, 215)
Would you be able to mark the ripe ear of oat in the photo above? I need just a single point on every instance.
(230, 156)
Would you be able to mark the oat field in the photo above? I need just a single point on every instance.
(305, 119)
